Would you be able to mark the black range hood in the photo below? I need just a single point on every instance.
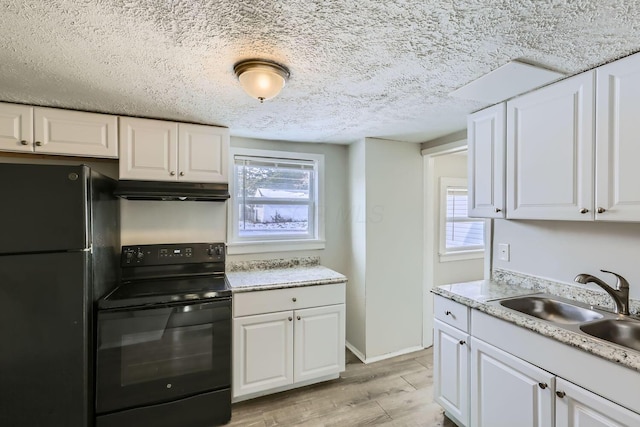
(160, 190)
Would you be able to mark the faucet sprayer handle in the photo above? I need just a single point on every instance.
(622, 282)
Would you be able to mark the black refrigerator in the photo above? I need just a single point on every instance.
(59, 244)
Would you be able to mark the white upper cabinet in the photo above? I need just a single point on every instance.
(16, 128)
(55, 131)
(617, 143)
(75, 133)
(486, 154)
(148, 149)
(157, 150)
(550, 152)
(203, 153)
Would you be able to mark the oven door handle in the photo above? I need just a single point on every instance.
(185, 307)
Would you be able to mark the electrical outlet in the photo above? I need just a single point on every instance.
(503, 252)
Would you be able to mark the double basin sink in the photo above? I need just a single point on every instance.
(611, 327)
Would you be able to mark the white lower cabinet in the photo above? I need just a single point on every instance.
(577, 407)
(507, 391)
(263, 349)
(319, 336)
(273, 351)
(491, 373)
(451, 371)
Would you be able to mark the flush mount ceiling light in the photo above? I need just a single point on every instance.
(261, 79)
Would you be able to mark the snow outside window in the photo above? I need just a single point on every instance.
(275, 198)
(458, 233)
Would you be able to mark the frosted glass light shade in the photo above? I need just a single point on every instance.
(261, 79)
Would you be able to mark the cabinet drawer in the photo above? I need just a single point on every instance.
(452, 313)
(257, 302)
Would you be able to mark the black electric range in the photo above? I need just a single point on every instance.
(169, 273)
(163, 350)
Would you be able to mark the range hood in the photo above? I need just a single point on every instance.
(160, 190)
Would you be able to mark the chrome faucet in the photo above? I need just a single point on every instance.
(620, 294)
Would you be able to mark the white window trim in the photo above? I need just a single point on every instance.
(235, 246)
(444, 255)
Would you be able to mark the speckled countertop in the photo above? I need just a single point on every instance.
(259, 275)
(480, 294)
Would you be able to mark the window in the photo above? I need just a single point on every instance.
(275, 200)
(459, 234)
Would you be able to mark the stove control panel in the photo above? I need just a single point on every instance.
(172, 253)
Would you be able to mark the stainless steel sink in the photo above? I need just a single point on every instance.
(551, 309)
(624, 332)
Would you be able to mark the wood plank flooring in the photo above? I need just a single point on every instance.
(396, 392)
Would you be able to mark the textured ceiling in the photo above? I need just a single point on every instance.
(359, 68)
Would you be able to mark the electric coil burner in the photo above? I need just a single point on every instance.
(164, 339)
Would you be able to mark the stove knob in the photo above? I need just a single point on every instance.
(210, 251)
(140, 254)
(128, 255)
(219, 250)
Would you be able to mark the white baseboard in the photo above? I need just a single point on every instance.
(366, 360)
(355, 351)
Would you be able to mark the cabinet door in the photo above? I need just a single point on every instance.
(262, 352)
(486, 140)
(16, 127)
(617, 144)
(507, 391)
(203, 153)
(319, 342)
(577, 407)
(148, 149)
(451, 370)
(75, 133)
(550, 152)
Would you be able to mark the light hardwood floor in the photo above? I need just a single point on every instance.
(395, 392)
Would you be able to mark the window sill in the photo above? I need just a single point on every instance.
(461, 256)
(237, 248)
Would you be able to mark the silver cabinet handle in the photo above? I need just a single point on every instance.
(584, 210)
(23, 142)
(561, 394)
(294, 299)
(172, 173)
(181, 173)
(39, 143)
(542, 385)
(290, 318)
(601, 210)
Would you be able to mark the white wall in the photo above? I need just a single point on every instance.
(336, 209)
(559, 250)
(384, 294)
(394, 197)
(161, 222)
(444, 272)
(356, 288)
(149, 222)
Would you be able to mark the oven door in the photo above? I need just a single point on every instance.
(158, 354)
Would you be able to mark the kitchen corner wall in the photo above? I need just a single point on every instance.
(384, 294)
(558, 250)
(161, 222)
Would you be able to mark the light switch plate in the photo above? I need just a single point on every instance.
(503, 252)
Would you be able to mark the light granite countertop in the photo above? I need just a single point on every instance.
(480, 294)
(280, 274)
